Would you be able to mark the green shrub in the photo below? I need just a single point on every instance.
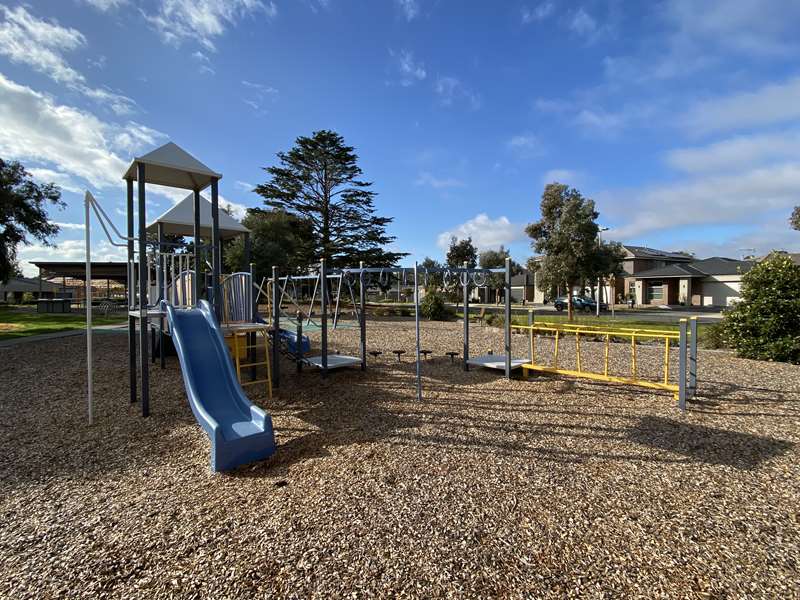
(714, 337)
(432, 307)
(765, 323)
(494, 319)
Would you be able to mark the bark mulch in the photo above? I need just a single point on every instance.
(543, 488)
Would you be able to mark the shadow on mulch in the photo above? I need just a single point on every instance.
(707, 444)
(354, 415)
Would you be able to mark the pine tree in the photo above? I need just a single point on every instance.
(319, 181)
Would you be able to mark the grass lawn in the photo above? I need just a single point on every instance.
(22, 321)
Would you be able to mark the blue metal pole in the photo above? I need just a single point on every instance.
(323, 274)
(508, 318)
(465, 282)
(682, 366)
(276, 329)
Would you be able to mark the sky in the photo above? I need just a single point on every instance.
(681, 119)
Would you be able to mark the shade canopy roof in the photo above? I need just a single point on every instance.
(179, 220)
(172, 166)
(114, 270)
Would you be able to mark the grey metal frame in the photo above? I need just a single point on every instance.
(464, 275)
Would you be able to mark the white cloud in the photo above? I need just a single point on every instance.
(409, 8)
(566, 176)
(203, 20)
(34, 128)
(599, 121)
(760, 27)
(258, 95)
(105, 5)
(772, 103)
(692, 36)
(410, 70)
(62, 180)
(451, 92)
(526, 145)
(204, 63)
(739, 152)
(582, 23)
(485, 232)
(239, 210)
(40, 44)
(734, 198)
(438, 183)
(244, 186)
(538, 13)
(72, 226)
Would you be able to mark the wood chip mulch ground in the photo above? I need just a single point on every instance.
(487, 488)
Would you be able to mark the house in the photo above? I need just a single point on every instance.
(16, 288)
(637, 260)
(712, 281)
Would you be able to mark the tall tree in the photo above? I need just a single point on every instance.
(794, 220)
(567, 237)
(277, 239)
(319, 181)
(462, 251)
(433, 281)
(23, 213)
(496, 259)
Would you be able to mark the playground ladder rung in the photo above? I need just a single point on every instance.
(253, 382)
(254, 364)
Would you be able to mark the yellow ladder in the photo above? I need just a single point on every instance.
(240, 351)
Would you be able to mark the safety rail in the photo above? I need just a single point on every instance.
(684, 337)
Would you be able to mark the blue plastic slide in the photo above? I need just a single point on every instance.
(240, 432)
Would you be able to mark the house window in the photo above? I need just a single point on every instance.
(655, 290)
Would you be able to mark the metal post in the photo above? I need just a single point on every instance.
(143, 277)
(216, 253)
(299, 343)
(252, 337)
(161, 292)
(323, 274)
(197, 260)
(465, 282)
(247, 249)
(276, 329)
(692, 356)
(362, 299)
(682, 366)
(40, 282)
(508, 318)
(530, 332)
(89, 377)
(416, 324)
(131, 283)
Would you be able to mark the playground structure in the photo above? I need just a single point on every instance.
(297, 346)
(239, 431)
(684, 385)
(165, 291)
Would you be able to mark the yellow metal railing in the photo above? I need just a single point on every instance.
(557, 331)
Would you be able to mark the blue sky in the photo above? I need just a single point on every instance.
(682, 122)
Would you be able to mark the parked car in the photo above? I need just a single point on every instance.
(579, 303)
